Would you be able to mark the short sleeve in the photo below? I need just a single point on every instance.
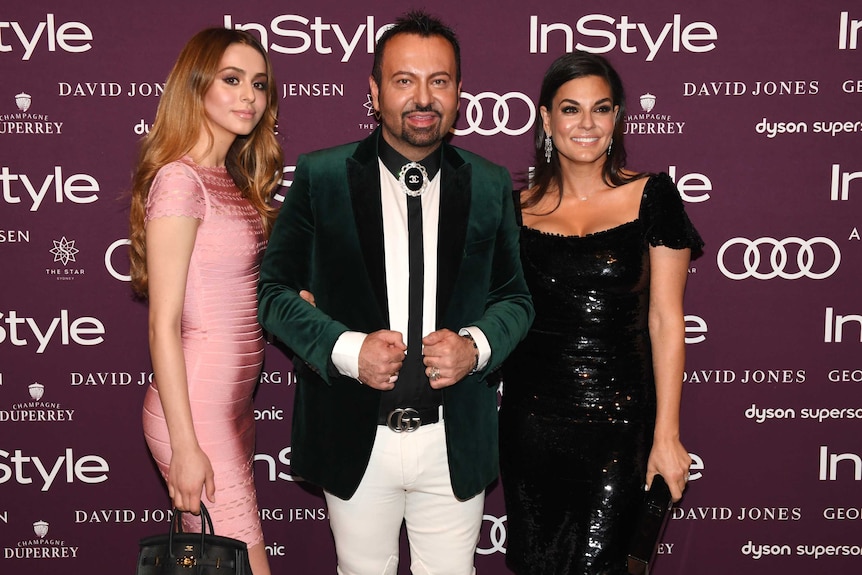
(176, 191)
(666, 223)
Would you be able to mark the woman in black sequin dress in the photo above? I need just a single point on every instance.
(591, 397)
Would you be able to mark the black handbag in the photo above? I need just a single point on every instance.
(179, 553)
(651, 522)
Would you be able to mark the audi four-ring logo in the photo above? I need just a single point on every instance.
(497, 534)
(779, 261)
(500, 114)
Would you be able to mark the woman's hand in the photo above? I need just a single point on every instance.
(190, 472)
(669, 459)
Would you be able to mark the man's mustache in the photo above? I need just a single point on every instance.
(423, 109)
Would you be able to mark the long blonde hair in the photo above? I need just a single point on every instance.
(255, 161)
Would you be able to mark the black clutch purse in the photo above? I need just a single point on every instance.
(178, 553)
(654, 513)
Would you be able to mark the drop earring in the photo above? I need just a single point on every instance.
(611, 145)
(549, 148)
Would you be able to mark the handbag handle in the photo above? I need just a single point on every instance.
(177, 527)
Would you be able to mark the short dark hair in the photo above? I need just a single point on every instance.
(419, 23)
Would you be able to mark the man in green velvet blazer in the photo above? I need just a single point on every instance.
(334, 237)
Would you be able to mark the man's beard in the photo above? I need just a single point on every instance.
(422, 137)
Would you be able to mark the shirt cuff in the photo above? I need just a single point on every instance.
(345, 353)
(481, 343)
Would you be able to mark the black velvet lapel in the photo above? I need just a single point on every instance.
(455, 185)
(363, 176)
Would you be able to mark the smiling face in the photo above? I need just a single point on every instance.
(235, 101)
(417, 98)
(581, 120)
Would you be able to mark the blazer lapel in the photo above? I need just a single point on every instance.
(455, 187)
(363, 177)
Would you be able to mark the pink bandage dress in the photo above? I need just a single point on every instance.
(222, 341)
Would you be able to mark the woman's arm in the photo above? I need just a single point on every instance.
(170, 241)
(668, 273)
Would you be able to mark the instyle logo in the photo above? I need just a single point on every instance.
(43, 547)
(273, 466)
(284, 183)
(848, 32)
(294, 34)
(851, 468)
(603, 33)
(25, 469)
(759, 88)
(501, 118)
(54, 187)
(816, 258)
(834, 326)
(72, 37)
(85, 330)
(650, 123)
(840, 188)
(693, 188)
(695, 329)
(25, 122)
(35, 409)
(696, 468)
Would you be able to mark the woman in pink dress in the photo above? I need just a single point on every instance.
(199, 221)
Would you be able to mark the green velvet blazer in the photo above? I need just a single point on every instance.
(328, 239)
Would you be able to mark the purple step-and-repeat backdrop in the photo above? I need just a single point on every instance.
(753, 108)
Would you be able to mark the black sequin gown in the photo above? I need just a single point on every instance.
(578, 406)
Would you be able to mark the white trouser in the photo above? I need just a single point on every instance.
(407, 479)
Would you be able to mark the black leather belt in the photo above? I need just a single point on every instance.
(408, 418)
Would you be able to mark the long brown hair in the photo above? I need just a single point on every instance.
(255, 161)
(546, 177)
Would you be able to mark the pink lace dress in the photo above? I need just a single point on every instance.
(222, 341)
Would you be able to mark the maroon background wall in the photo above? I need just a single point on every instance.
(754, 110)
